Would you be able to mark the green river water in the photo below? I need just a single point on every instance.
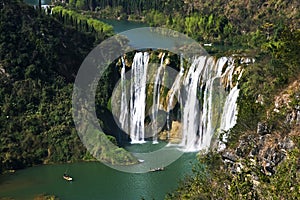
(94, 180)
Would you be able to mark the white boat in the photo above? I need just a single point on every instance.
(67, 177)
(157, 169)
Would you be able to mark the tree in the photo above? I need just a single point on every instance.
(81, 4)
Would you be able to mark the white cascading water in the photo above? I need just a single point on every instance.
(229, 115)
(198, 116)
(191, 113)
(206, 130)
(175, 89)
(124, 106)
(138, 97)
(200, 91)
(230, 110)
(156, 98)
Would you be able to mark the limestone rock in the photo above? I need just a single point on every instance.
(174, 135)
(229, 156)
(262, 128)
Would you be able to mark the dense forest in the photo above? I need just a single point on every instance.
(39, 59)
(40, 55)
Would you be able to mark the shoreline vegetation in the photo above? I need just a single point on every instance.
(36, 83)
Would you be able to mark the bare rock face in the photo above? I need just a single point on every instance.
(268, 150)
(229, 157)
(174, 135)
(262, 129)
(175, 100)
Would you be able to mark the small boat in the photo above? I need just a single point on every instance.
(157, 169)
(67, 177)
(207, 45)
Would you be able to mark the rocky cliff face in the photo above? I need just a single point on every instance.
(268, 146)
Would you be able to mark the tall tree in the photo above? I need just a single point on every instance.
(40, 5)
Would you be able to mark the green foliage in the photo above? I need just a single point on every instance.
(80, 4)
(276, 66)
(39, 58)
(285, 184)
(104, 148)
(82, 23)
(200, 27)
(72, 3)
(205, 183)
(138, 6)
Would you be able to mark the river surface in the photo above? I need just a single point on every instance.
(94, 180)
(140, 35)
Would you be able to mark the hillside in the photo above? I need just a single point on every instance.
(39, 59)
(250, 14)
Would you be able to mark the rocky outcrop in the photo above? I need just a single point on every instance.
(262, 128)
(266, 150)
(174, 135)
(229, 157)
(268, 147)
(288, 102)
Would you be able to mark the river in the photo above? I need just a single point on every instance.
(94, 180)
(140, 36)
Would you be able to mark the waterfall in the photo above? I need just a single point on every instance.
(229, 115)
(191, 114)
(156, 98)
(205, 105)
(124, 103)
(205, 90)
(205, 129)
(175, 89)
(200, 87)
(138, 97)
(230, 110)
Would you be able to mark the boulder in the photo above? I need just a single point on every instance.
(174, 135)
(229, 156)
(262, 128)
